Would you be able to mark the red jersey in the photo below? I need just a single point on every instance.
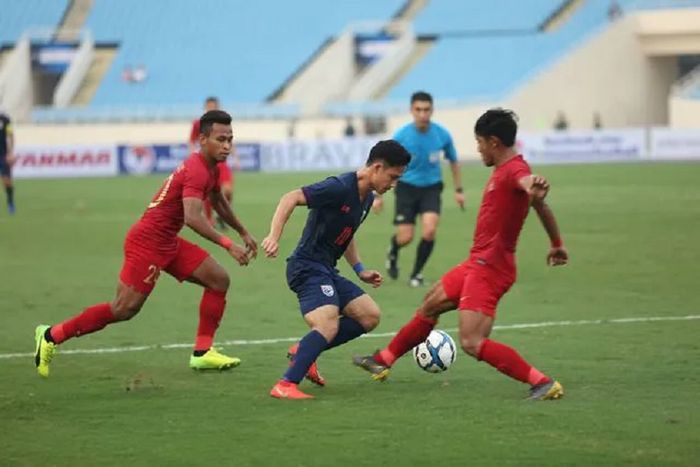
(165, 216)
(503, 210)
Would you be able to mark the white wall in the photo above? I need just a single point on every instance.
(609, 74)
(669, 32)
(327, 78)
(684, 112)
(16, 81)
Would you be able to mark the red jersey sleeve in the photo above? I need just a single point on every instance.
(519, 170)
(194, 133)
(196, 180)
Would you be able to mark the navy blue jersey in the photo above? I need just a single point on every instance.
(335, 214)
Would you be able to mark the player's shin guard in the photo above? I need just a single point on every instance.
(509, 362)
(90, 320)
(211, 310)
(413, 333)
(310, 347)
(348, 329)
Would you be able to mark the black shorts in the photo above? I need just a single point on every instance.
(412, 200)
(5, 169)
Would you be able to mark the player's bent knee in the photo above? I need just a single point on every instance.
(220, 280)
(404, 239)
(371, 319)
(471, 345)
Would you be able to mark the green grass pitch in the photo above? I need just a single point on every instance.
(632, 388)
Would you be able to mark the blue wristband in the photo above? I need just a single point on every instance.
(358, 268)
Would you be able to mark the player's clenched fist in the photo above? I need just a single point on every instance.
(371, 277)
(251, 245)
(540, 187)
(239, 253)
(558, 256)
(270, 247)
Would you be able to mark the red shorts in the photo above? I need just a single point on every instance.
(142, 266)
(476, 287)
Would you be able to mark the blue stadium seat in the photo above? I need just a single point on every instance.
(454, 16)
(489, 66)
(239, 50)
(16, 16)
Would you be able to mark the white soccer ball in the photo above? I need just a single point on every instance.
(437, 353)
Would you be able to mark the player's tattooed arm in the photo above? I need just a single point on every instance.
(223, 209)
(558, 254)
(194, 219)
(285, 207)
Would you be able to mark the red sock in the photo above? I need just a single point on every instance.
(413, 333)
(508, 361)
(90, 320)
(211, 309)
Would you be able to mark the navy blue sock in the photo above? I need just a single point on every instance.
(310, 347)
(348, 329)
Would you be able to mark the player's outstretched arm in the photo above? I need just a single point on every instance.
(285, 207)
(536, 186)
(558, 255)
(352, 256)
(194, 219)
(223, 209)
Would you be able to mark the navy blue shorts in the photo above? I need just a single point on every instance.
(317, 284)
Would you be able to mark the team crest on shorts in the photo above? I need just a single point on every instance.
(327, 290)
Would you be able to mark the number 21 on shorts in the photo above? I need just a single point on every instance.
(153, 274)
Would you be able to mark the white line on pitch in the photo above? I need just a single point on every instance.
(545, 324)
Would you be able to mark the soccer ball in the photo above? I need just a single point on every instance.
(437, 353)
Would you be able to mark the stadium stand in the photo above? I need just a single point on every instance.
(241, 51)
(454, 17)
(490, 65)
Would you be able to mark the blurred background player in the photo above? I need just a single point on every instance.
(419, 190)
(225, 174)
(475, 286)
(7, 159)
(152, 245)
(335, 309)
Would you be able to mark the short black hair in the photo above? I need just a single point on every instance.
(500, 123)
(207, 121)
(421, 96)
(390, 152)
(211, 99)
